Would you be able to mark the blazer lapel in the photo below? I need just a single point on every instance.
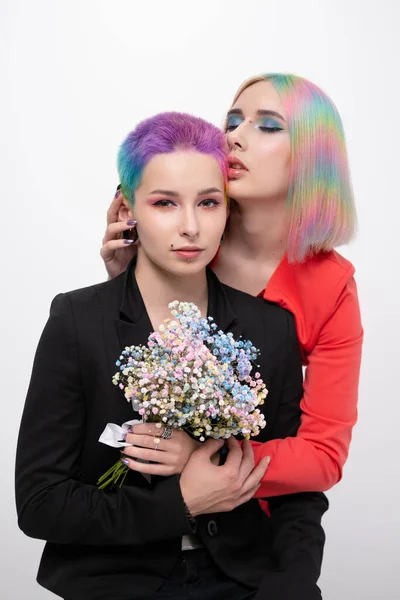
(133, 323)
(220, 308)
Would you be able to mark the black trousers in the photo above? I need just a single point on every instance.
(196, 577)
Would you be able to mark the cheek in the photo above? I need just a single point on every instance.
(273, 161)
(152, 230)
(213, 222)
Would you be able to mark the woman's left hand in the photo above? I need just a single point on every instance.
(167, 456)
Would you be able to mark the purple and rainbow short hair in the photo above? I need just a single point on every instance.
(321, 209)
(162, 134)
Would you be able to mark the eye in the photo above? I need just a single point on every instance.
(232, 122)
(269, 125)
(164, 203)
(210, 203)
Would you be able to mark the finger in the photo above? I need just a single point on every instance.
(148, 429)
(148, 441)
(148, 469)
(162, 458)
(247, 464)
(107, 251)
(228, 505)
(210, 447)
(113, 209)
(235, 454)
(247, 496)
(256, 475)
(114, 230)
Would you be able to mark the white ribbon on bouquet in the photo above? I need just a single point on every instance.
(113, 434)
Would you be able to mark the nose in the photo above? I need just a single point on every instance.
(189, 225)
(236, 139)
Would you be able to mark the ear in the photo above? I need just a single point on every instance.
(125, 212)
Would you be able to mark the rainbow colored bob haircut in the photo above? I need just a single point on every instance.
(321, 209)
(162, 134)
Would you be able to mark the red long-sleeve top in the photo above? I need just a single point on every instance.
(321, 293)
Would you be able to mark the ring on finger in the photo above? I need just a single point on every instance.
(157, 441)
(167, 433)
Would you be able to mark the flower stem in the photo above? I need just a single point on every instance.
(113, 475)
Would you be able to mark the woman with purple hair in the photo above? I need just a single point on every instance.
(291, 204)
(193, 530)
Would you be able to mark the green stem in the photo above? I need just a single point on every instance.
(112, 476)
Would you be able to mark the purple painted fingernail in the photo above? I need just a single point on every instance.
(125, 461)
(131, 222)
(123, 437)
(128, 242)
(118, 190)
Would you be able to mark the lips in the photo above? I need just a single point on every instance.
(236, 164)
(188, 252)
(236, 168)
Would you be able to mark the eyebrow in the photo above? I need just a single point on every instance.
(171, 194)
(165, 193)
(260, 113)
(211, 190)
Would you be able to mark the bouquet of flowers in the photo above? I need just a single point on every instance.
(192, 376)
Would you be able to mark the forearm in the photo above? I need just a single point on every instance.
(70, 512)
(297, 465)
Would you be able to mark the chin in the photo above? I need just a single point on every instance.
(237, 189)
(184, 268)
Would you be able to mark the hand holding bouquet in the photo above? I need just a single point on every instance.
(191, 376)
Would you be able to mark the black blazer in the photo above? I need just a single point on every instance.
(122, 544)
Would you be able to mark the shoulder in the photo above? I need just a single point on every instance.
(332, 267)
(85, 299)
(312, 291)
(324, 271)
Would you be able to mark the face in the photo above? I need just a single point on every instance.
(259, 145)
(180, 211)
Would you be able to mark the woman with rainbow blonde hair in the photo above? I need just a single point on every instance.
(291, 205)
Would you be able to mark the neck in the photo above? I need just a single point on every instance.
(158, 288)
(258, 229)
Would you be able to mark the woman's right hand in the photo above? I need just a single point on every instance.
(116, 251)
(207, 488)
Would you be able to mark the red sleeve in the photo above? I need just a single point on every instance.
(314, 459)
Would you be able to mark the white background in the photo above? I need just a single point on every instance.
(77, 76)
